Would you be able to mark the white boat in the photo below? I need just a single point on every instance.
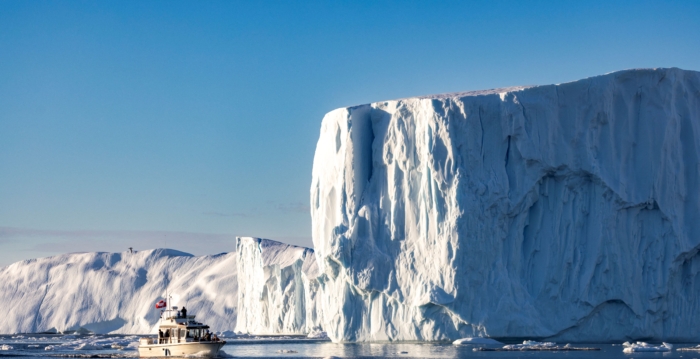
(180, 335)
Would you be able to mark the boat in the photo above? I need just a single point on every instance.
(180, 334)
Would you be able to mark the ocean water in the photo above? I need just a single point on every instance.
(121, 346)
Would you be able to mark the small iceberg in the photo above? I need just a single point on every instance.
(476, 341)
(530, 345)
(645, 347)
(6, 347)
(689, 349)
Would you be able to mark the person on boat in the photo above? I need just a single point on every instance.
(160, 336)
(184, 312)
(208, 337)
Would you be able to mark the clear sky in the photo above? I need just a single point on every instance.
(184, 124)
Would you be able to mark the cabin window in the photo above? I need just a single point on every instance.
(194, 333)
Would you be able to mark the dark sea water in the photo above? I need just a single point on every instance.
(120, 346)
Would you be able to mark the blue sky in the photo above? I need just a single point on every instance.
(185, 124)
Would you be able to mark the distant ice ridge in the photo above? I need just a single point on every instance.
(564, 211)
(115, 292)
(278, 288)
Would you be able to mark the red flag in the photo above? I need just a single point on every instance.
(161, 304)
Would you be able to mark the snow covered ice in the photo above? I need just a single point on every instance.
(564, 211)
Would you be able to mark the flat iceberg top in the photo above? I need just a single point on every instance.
(504, 90)
(496, 91)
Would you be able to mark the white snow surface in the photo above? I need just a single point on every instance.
(115, 292)
(563, 211)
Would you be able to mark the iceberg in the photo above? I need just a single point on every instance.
(646, 347)
(276, 284)
(115, 292)
(476, 341)
(264, 287)
(530, 345)
(566, 212)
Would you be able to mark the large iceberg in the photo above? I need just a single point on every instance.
(116, 292)
(565, 211)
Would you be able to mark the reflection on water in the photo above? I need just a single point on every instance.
(120, 346)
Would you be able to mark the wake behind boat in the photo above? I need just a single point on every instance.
(179, 335)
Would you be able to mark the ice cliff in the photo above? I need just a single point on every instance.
(565, 211)
(278, 288)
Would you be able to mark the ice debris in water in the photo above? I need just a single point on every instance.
(94, 342)
(477, 340)
(646, 347)
(88, 346)
(6, 347)
(286, 351)
(529, 344)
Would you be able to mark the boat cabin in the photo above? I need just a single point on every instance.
(176, 328)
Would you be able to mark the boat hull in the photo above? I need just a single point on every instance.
(201, 349)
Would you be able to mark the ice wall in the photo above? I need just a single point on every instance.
(115, 292)
(277, 284)
(566, 211)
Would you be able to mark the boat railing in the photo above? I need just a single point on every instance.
(176, 340)
(179, 317)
